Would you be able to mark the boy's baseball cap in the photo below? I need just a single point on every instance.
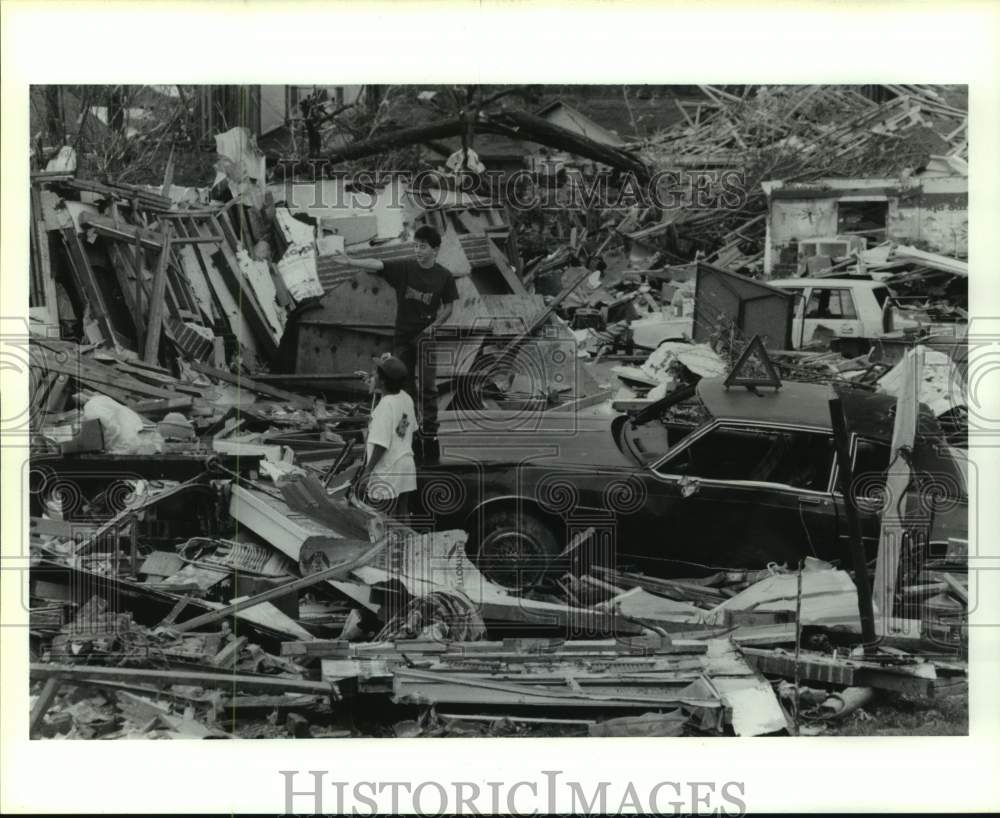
(391, 368)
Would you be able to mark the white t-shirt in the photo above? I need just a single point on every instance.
(392, 424)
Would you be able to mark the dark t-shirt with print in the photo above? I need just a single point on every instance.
(420, 291)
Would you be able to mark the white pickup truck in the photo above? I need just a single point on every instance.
(855, 310)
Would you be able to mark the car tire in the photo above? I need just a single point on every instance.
(517, 548)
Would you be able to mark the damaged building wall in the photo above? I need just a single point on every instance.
(937, 214)
(930, 212)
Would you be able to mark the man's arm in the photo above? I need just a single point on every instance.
(372, 264)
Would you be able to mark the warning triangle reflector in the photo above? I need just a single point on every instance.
(754, 368)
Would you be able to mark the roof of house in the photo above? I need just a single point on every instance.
(580, 122)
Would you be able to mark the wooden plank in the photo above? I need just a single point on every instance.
(339, 571)
(138, 258)
(154, 320)
(119, 231)
(226, 306)
(43, 703)
(126, 193)
(252, 385)
(86, 283)
(242, 291)
(957, 588)
(230, 653)
(162, 405)
(916, 679)
(324, 648)
(59, 528)
(45, 260)
(122, 267)
(165, 678)
(105, 378)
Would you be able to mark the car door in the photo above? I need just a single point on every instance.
(741, 495)
(869, 462)
(834, 309)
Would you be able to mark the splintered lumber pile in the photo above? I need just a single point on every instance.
(707, 680)
(142, 273)
(797, 133)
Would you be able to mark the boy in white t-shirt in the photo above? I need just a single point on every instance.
(390, 474)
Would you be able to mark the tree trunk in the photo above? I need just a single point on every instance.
(514, 124)
(116, 109)
(54, 121)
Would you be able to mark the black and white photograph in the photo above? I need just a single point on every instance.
(496, 410)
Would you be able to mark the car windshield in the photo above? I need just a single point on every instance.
(648, 442)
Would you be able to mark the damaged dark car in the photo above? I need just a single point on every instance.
(711, 478)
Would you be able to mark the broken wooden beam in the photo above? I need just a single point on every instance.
(339, 571)
(252, 385)
(43, 702)
(157, 303)
(917, 679)
(958, 590)
(227, 681)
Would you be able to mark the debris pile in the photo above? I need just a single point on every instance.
(796, 133)
(201, 564)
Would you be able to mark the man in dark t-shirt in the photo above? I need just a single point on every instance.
(425, 292)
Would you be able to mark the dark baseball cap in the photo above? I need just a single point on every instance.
(392, 368)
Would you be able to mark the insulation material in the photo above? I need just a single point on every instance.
(297, 269)
(124, 430)
(258, 273)
(829, 597)
(241, 165)
(659, 369)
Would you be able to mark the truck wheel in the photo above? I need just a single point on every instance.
(516, 549)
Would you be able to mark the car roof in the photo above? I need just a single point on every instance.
(826, 282)
(870, 414)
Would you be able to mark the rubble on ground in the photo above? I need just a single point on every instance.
(201, 567)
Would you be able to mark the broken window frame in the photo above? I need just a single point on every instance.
(692, 439)
(873, 235)
(853, 311)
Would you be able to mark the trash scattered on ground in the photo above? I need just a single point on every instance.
(201, 564)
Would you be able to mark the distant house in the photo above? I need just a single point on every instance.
(548, 162)
(566, 116)
(929, 210)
